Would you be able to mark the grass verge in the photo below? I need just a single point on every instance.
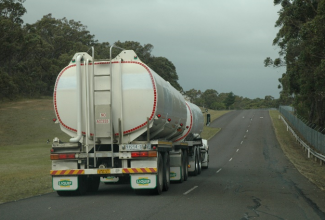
(209, 132)
(24, 153)
(294, 152)
(24, 171)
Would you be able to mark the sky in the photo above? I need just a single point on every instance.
(214, 44)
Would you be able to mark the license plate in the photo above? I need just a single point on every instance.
(133, 147)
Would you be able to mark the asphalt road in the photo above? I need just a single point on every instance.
(248, 178)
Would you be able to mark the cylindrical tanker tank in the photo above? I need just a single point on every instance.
(194, 123)
(139, 95)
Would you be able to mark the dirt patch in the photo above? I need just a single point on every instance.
(308, 167)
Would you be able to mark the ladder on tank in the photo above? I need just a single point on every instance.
(102, 109)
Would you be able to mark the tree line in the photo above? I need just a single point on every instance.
(301, 40)
(32, 55)
(211, 99)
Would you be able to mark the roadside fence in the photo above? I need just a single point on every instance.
(315, 138)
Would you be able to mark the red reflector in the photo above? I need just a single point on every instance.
(154, 147)
(54, 119)
(67, 156)
(187, 127)
(52, 150)
(135, 154)
(139, 154)
(169, 119)
(181, 124)
(144, 154)
(159, 115)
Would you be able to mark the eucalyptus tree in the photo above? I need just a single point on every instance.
(301, 39)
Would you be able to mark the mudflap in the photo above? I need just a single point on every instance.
(175, 173)
(65, 183)
(143, 181)
(191, 166)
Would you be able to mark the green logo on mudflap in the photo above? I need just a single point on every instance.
(172, 174)
(65, 183)
(143, 181)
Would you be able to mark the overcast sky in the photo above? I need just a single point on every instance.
(217, 44)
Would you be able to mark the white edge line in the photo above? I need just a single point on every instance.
(219, 170)
(190, 190)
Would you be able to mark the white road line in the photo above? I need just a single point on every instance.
(237, 150)
(245, 136)
(241, 142)
(247, 131)
(219, 170)
(190, 190)
(230, 159)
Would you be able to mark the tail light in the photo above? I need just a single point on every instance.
(144, 154)
(62, 156)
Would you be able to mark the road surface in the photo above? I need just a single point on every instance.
(248, 178)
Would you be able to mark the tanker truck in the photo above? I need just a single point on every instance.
(124, 121)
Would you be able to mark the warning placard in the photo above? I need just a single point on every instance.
(102, 121)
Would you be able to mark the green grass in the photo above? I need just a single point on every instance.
(24, 154)
(209, 132)
(24, 171)
(294, 152)
(27, 122)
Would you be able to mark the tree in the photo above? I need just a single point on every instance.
(301, 39)
(161, 65)
(193, 94)
(11, 39)
(229, 100)
(209, 96)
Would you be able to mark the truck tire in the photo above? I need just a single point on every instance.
(185, 162)
(196, 165)
(182, 168)
(83, 185)
(160, 175)
(166, 171)
(206, 166)
(93, 183)
(199, 161)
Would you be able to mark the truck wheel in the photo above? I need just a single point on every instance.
(82, 186)
(182, 168)
(93, 183)
(207, 163)
(196, 164)
(185, 159)
(166, 171)
(160, 175)
(199, 162)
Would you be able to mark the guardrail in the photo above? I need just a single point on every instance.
(310, 151)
